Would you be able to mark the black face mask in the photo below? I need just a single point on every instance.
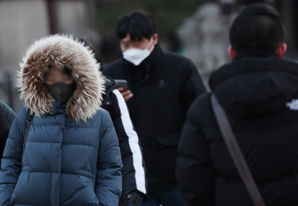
(61, 92)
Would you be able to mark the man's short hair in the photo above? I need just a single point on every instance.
(138, 25)
(258, 26)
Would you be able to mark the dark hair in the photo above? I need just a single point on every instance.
(258, 26)
(138, 25)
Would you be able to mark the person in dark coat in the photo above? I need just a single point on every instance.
(71, 154)
(7, 117)
(134, 180)
(259, 92)
(7, 112)
(133, 171)
(161, 88)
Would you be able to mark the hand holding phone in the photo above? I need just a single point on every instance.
(125, 93)
(121, 83)
(123, 89)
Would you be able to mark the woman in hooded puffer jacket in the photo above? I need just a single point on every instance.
(71, 154)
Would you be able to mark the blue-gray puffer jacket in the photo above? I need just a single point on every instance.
(71, 155)
(64, 163)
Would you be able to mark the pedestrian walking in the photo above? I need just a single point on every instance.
(161, 86)
(62, 148)
(258, 91)
(133, 171)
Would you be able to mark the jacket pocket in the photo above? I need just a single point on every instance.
(21, 191)
(88, 195)
(167, 157)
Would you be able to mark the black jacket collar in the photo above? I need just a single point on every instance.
(252, 53)
(249, 62)
(255, 86)
(153, 59)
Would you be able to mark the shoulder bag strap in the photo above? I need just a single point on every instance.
(236, 153)
(29, 122)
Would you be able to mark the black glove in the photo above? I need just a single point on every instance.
(136, 198)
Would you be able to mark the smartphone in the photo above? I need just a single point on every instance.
(121, 83)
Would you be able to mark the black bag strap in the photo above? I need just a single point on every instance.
(236, 153)
(29, 122)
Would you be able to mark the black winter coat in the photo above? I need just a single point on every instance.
(164, 86)
(133, 171)
(260, 96)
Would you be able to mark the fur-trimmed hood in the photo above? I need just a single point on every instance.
(66, 51)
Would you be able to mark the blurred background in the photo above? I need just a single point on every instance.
(197, 29)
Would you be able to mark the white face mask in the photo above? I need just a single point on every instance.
(136, 56)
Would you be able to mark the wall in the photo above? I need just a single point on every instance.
(21, 22)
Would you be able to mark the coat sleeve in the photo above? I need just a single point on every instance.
(194, 171)
(11, 162)
(9, 113)
(109, 177)
(133, 167)
(192, 85)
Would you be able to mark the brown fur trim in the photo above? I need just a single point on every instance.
(60, 50)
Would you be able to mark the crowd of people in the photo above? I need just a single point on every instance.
(143, 131)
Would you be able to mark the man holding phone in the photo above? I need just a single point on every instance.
(160, 88)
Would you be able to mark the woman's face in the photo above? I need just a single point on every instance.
(56, 75)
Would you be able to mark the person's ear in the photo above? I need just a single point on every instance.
(232, 52)
(282, 50)
(155, 39)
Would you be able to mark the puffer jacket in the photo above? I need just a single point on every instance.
(72, 154)
(259, 92)
(164, 86)
(133, 170)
